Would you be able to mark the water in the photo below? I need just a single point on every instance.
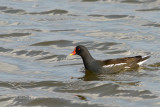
(36, 37)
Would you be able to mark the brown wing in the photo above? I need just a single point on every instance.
(128, 60)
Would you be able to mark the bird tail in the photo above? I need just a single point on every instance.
(144, 59)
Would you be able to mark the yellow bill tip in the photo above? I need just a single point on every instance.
(70, 54)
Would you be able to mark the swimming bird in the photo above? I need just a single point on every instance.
(109, 65)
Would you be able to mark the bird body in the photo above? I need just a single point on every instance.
(109, 65)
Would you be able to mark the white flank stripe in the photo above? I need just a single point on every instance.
(106, 66)
(111, 65)
(127, 67)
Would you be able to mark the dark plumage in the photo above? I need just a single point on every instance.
(108, 66)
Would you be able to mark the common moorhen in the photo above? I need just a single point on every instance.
(108, 66)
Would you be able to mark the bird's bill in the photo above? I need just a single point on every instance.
(73, 53)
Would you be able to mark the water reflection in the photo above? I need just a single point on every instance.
(114, 74)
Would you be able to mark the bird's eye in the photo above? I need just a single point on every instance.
(79, 49)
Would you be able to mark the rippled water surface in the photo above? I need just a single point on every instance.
(36, 37)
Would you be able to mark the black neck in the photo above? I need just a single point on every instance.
(87, 59)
